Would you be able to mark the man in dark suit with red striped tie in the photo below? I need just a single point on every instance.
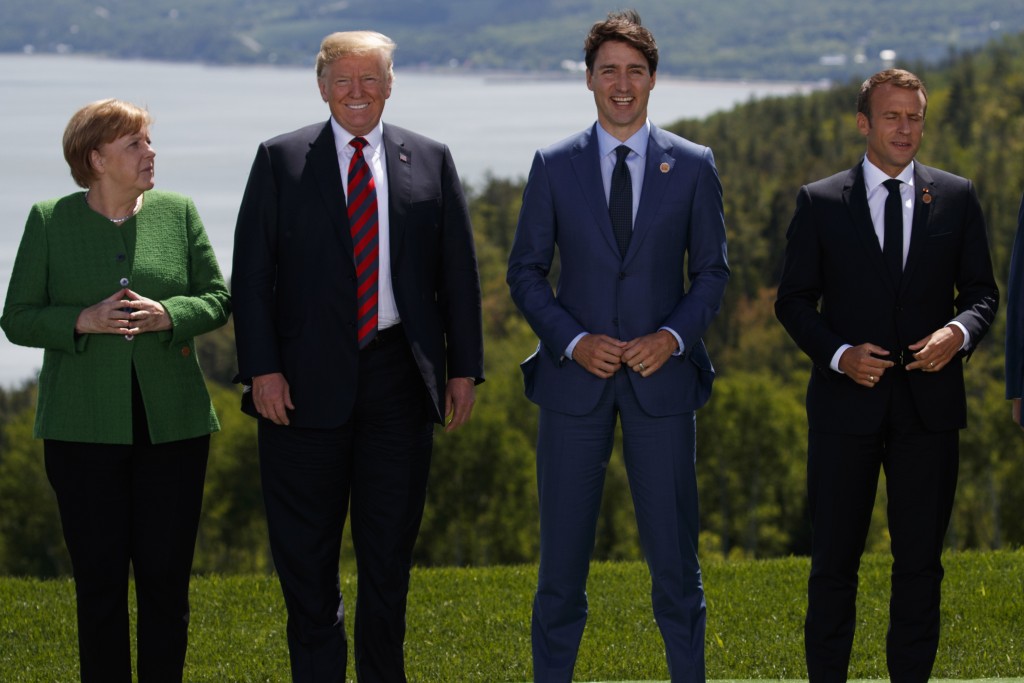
(358, 327)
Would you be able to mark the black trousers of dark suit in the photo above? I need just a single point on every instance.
(377, 464)
(842, 475)
(135, 505)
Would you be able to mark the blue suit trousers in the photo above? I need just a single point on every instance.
(660, 458)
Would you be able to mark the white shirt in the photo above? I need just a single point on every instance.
(874, 178)
(387, 310)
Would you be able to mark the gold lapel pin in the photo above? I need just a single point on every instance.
(664, 168)
(926, 196)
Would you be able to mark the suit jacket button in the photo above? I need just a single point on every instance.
(185, 351)
(622, 276)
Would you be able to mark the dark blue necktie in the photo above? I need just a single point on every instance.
(620, 200)
(892, 245)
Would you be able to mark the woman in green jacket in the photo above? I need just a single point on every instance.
(114, 283)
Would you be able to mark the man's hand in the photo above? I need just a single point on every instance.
(938, 348)
(271, 396)
(599, 354)
(862, 364)
(648, 353)
(459, 394)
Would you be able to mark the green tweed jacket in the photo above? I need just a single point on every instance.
(70, 258)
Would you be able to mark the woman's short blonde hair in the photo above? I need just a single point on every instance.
(97, 124)
(346, 43)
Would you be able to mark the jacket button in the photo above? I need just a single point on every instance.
(124, 282)
(185, 351)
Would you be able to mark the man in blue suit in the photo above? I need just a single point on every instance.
(1015, 321)
(619, 338)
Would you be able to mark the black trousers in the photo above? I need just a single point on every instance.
(377, 465)
(136, 505)
(842, 476)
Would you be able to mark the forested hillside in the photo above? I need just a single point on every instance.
(751, 436)
(739, 39)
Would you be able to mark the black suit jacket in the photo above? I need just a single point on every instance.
(294, 283)
(836, 290)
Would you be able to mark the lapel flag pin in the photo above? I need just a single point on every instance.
(403, 157)
(664, 168)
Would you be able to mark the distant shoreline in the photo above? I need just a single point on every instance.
(488, 74)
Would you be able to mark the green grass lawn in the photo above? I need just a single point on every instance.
(473, 625)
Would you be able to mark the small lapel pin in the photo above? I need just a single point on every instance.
(403, 157)
(926, 196)
(664, 168)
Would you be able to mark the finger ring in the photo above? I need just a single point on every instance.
(871, 378)
(932, 364)
(641, 366)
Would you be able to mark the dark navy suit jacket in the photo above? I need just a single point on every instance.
(294, 283)
(1015, 314)
(679, 229)
(836, 289)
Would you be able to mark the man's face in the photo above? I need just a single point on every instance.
(355, 88)
(621, 82)
(895, 129)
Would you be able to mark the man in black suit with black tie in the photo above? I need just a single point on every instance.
(888, 287)
(358, 326)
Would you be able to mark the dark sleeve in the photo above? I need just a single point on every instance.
(254, 271)
(459, 296)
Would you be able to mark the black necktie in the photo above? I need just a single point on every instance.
(620, 200)
(892, 245)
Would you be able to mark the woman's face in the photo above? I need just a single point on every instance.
(126, 162)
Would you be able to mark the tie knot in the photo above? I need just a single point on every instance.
(621, 152)
(893, 185)
(358, 143)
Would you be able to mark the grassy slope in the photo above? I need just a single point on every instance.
(473, 624)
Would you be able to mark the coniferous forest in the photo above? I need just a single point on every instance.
(481, 507)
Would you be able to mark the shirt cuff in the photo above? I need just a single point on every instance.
(839, 354)
(679, 340)
(572, 345)
(967, 335)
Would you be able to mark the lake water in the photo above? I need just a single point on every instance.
(209, 120)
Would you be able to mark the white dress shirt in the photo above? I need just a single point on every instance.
(387, 310)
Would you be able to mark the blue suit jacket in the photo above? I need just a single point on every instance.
(679, 227)
(1015, 314)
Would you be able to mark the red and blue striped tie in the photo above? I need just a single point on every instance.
(362, 219)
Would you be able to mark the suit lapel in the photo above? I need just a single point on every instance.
(399, 161)
(322, 162)
(855, 196)
(586, 163)
(926, 193)
(658, 166)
